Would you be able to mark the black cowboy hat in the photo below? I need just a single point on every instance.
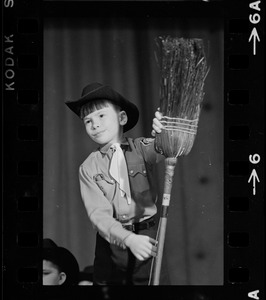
(63, 259)
(97, 91)
(86, 274)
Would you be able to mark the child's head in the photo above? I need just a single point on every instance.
(104, 121)
(60, 267)
(52, 274)
(97, 98)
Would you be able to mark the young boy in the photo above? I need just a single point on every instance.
(60, 267)
(117, 187)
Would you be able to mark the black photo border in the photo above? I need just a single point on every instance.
(22, 103)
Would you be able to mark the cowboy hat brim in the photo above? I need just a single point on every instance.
(97, 91)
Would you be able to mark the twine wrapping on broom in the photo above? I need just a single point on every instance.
(183, 72)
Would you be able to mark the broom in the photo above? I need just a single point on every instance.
(183, 72)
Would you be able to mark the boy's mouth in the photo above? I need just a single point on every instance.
(98, 133)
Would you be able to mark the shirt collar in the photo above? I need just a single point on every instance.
(106, 148)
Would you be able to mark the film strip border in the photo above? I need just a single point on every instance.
(244, 150)
(243, 178)
(22, 133)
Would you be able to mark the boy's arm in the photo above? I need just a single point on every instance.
(100, 210)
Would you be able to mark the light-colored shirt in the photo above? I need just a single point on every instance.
(105, 206)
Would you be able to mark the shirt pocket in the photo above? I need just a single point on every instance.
(138, 178)
(105, 184)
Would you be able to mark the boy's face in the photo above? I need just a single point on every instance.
(51, 274)
(105, 126)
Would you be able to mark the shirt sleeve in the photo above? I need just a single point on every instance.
(147, 149)
(100, 210)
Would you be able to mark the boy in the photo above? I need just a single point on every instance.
(117, 187)
(60, 267)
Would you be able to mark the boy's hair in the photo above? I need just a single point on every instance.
(92, 106)
(53, 258)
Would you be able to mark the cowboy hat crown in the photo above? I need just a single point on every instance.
(97, 91)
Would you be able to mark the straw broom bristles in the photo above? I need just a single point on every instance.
(183, 72)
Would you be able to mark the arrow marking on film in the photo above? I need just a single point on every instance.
(253, 176)
(254, 35)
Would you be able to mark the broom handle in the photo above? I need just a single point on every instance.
(170, 163)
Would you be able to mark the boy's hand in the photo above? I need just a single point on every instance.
(156, 124)
(142, 246)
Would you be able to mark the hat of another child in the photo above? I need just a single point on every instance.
(86, 274)
(97, 91)
(63, 259)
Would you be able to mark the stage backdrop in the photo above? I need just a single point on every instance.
(120, 52)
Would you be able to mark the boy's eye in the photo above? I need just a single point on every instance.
(101, 115)
(45, 273)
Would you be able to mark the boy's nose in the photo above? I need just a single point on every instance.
(95, 124)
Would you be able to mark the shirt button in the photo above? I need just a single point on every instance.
(144, 171)
(112, 181)
(131, 171)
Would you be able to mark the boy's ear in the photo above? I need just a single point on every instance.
(123, 118)
(62, 278)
